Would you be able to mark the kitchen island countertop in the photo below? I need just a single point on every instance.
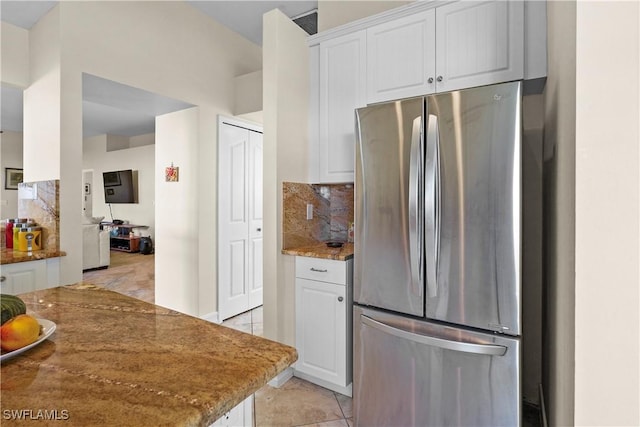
(116, 360)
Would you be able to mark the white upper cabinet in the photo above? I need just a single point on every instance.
(479, 43)
(401, 57)
(458, 45)
(342, 90)
(417, 49)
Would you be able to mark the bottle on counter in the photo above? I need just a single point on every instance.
(8, 233)
(17, 228)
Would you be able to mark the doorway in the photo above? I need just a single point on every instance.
(240, 243)
(87, 198)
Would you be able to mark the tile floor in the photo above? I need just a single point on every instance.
(296, 403)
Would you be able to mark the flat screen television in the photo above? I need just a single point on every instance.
(119, 186)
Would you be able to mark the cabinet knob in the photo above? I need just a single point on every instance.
(430, 80)
(340, 299)
(2, 278)
(258, 229)
(439, 78)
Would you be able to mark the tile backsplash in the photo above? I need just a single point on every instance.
(332, 213)
(45, 210)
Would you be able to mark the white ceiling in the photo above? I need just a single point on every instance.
(110, 107)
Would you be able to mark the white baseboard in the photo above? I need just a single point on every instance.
(280, 379)
(212, 317)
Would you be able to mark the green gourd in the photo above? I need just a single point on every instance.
(12, 306)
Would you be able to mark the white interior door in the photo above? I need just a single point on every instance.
(239, 218)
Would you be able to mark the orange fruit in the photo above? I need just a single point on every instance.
(18, 332)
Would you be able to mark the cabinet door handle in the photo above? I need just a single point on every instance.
(317, 270)
(430, 80)
(439, 78)
(340, 299)
(2, 278)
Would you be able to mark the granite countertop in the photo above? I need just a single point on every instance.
(116, 360)
(9, 256)
(321, 250)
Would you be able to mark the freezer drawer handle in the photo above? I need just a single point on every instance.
(318, 270)
(484, 349)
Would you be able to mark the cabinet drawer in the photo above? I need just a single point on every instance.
(324, 270)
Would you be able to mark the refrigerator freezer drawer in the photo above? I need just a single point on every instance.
(415, 373)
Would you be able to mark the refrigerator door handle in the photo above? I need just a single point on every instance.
(432, 204)
(482, 349)
(415, 207)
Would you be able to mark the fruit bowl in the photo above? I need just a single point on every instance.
(48, 327)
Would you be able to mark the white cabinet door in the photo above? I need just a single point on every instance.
(240, 416)
(342, 90)
(479, 43)
(321, 325)
(22, 277)
(401, 58)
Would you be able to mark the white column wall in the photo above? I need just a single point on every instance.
(286, 111)
(177, 211)
(559, 208)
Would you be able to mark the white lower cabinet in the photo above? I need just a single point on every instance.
(29, 276)
(22, 277)
(240, 416)
(323, 322)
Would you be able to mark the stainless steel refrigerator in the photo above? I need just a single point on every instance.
(437, 264)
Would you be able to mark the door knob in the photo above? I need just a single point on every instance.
(340, 299)
(430, 80)
(439, 78)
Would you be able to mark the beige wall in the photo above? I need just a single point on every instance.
(97, 158)
(332, 13)
(286, 100)
(607, 281)
(168, 48)
(592, 183)
(14, 60)
(10, 157)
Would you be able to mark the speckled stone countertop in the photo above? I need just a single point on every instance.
(8, 256)
(118, 361)
(321, 250)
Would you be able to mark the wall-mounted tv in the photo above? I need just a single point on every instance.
(120, 186)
